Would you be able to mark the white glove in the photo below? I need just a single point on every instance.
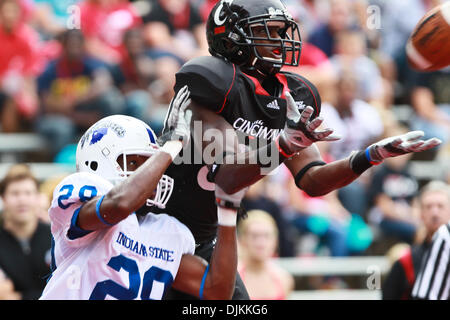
(299, 132)
(399, 145)
(179, 119)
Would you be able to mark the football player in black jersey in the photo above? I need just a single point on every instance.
(241, 89)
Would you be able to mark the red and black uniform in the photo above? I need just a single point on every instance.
(241, 100)
(250, 109)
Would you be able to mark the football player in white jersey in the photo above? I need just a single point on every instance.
(106, 243)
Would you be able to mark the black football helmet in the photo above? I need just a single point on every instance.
(230, 33)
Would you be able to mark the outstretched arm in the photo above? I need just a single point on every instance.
(322, 178)
(317, 178)
(221, 276)
(241, 169)
(132, 193)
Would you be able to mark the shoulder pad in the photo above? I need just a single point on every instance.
(77, 188)
(209, 79)
(304, 92)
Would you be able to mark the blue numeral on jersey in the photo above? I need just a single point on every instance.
(155, 274)
(117, 291)
(66, 196)
(83, 194)
(92, 193)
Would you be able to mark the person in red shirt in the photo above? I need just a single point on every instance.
(315, 65)
(206, 7)
(75, 91)
(176, 26)
(20, 61)
(104, 23)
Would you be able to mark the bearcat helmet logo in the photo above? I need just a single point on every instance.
(217, 19)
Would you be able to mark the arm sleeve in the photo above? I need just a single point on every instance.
(68, 199)
(433, 280)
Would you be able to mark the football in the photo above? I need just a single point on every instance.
(428, 47)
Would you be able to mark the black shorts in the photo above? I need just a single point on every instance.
(205, 251)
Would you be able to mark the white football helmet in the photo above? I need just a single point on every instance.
(105, 141)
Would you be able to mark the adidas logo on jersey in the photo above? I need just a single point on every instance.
(273, 105)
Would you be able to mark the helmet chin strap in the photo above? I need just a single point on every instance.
(143, 211)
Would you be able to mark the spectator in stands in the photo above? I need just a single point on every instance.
(434, 202)
(263, 279)
(391, 193)
(256, 199)
(134, 74)
(24, 241)
(51, 17)
(351, 54)
(426, 92)
(20, 61)
(311, 14)
(7, 291)
(145, 77)
(176, 26)
(359, 124)
(205, 8)
(398, 20)
(314, 65)
(325, 217)
(430, 99)
(75, 91)
(340, 18)
(104, 23)
(46, 189)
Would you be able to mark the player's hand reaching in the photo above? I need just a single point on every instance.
(399, 145)
(179, 120)
(300, 131)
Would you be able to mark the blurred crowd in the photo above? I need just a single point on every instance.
(65, 64)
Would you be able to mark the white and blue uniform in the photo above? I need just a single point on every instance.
(134, 259)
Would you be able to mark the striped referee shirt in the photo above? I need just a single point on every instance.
(433, 280)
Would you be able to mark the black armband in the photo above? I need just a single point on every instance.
(227, 204)
(359, 162)
(302, 172)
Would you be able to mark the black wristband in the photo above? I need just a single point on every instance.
(227, 204)
(359, 162)
(302, 172)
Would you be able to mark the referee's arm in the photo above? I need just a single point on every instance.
(433, 280)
